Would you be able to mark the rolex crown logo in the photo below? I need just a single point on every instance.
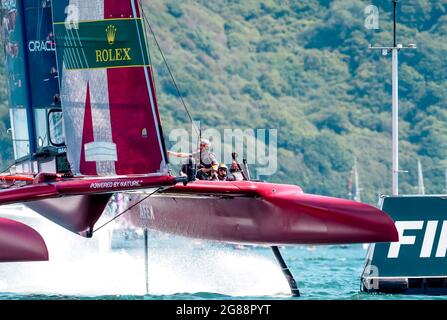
(111, 33)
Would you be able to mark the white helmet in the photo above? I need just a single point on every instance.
(204, 142)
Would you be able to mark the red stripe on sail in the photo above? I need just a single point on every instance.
(133, 126)
(87, 168)
(114, 9)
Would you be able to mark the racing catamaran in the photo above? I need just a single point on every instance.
(86, 125)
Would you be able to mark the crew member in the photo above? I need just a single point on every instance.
(222, 172)
(206, 160)
(235, 172)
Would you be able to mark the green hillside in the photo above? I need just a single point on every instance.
(304, 68)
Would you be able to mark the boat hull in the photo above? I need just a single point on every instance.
(260, 213)
(77, 203)
(20, 243)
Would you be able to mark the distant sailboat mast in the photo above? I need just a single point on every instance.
(350, 186)
(354, 194)
(421, 187)
(356, 180)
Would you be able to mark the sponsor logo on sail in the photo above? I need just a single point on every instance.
(115, 54)
(41, 46)
(102, 44)
(111, 33)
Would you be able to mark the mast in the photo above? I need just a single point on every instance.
(33, 80)
(421, 187)
(395, 117)
(28, 107)
(395, 98)
(14, 33)
(394, 23)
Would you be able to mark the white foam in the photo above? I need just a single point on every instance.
(85, 267)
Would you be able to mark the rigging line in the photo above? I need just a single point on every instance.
(146, 39)
(152, 94)
(131, 207)
(146, 20)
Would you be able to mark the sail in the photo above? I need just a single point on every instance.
(33, 86)
(111, 117)
(14, 43)
(42, 67)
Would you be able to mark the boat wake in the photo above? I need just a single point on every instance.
(88, 268)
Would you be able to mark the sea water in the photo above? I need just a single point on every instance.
(181, 268)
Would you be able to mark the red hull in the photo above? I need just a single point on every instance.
(20, 243)
(76, 204)
(261, 213)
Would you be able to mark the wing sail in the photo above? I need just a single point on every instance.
(108, 99)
